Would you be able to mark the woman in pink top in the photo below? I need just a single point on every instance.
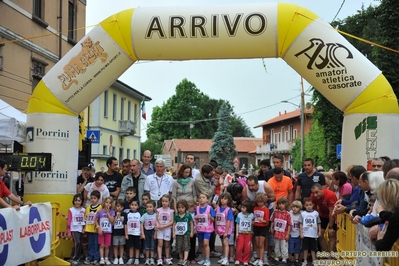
(344, 188)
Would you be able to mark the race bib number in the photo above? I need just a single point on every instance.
(90, 218)
(133, 226)
(220, 219)
(164, 218)
(149, 224)
(105, 225)
(180, 228)
(295, 226)
(245, 225)
(202, 220)
(259, 215)
(280, 225)
(78, 219)
(118, 224)
(309, 221)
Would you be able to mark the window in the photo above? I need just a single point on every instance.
(129, 110)
(290, 132)
(72, 20)
(38, 13)
(135, 154)
(114, 97)
(38, 71)
(128, 153)
(135, 112)
(105, 148)
(295, 134)
(120, 155)
(286, 136)
(1, 57)
(106, 104)
(272, 135)
(123, 108)
(279, 137)
(282, 133)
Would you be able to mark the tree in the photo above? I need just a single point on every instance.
(153, 144)
(189, 113)
(223, 147)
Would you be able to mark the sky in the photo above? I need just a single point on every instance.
(255, 87)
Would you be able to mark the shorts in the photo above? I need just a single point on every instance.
(149, 242)
(325, 222)
(294, 245)
(202, 236)
(309, 243)
(133, 241)
(261, 231)
(164, 234)
(182, 243)
(232, 240)
(105, 239)
(221, 237)
(118, 240)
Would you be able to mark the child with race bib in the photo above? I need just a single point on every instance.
(90, 228)
(193, 240)
(261, 213)
(294, 244)
(148, 222)
(75, 223)
(280, 227)
(182, 231)
(133, 232)
(224, 224)
(118, 238)
(244, 222)
(104, 220)
(164, 228)
(204, 216)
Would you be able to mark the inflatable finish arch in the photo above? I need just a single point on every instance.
(310, 46)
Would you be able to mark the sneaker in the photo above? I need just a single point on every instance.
(95, 262)
(225, 262)
(121, 262)
(107, 261)
(215, 254)
(147, 261)
(284, 261)
(231, 260)
(256, 262)
(169, 261)
(180, 262)
(87, 261)
(252, 260)
(116, 261)
(136, 262)
(102, 261)
(142, 256)
(184, 263)
(159, 262)
(265, 261)
(237, 262)
(304, 263)
(152, 262)
(221, 260)
(130, 261)
(201, 262)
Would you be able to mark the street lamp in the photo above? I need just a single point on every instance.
(302, 118)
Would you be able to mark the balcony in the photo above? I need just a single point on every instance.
(126, 128)
(272, 148)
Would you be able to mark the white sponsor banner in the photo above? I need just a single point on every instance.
(57, 134)
(90, 66)
(364, 245)
(205, 32)
(331, 64)
(25, 235)
(368, 136)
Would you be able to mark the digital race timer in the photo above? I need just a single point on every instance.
(25, 162)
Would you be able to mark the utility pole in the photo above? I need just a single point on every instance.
(303, 109)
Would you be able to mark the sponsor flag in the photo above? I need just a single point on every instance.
(143, 113)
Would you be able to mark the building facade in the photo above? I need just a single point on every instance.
(30, 43)
(113, 124)
(179, 148)
(279, 134)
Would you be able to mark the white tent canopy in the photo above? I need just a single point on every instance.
(12, 126)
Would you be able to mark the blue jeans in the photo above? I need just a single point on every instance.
(94, 253)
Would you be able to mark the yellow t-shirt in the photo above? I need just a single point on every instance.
(90, 215)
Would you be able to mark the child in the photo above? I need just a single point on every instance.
(131, 193)
(204, 216)
(193, 240)
(309, 229)
(144, 199)
(118, 238)
(75, 225)
(104, 220)
(148, 222)
(280, 228)
(133, 232)
(164, 222)
(224, 224)
(90, 228)
(261, 213)
(244, 233)
(182, 231)
(294, 244)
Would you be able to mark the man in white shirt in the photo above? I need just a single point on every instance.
(159, 183)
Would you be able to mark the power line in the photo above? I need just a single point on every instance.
(339, 10)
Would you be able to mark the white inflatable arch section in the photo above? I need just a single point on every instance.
(310, 46)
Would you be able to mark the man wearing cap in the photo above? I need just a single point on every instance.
(84, 178)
